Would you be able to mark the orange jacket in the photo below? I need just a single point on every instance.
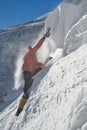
(30, 59)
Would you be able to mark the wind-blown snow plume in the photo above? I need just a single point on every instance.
(18, 81)
(46, 50)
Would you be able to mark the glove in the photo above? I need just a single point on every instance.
(47, 34)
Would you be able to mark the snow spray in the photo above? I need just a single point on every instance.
(18, 80)
(42, 54)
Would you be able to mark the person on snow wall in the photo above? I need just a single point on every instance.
(30, 67)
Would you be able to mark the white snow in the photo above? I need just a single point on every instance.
(18, 80)
(76, 36)
(62, 19)
(58, 96)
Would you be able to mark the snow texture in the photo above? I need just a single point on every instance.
(58, 96)
(63, 18)
(76, 36)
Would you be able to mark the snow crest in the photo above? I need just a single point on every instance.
(63, 18)
(76, 36)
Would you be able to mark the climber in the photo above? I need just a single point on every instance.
(30, 67)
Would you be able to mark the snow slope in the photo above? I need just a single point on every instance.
(58, 96)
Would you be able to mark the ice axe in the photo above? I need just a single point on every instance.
(47, 34)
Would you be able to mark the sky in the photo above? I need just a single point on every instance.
(13, 12)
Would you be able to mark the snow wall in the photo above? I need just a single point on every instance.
(63, 18)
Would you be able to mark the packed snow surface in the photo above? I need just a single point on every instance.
(58, 96)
